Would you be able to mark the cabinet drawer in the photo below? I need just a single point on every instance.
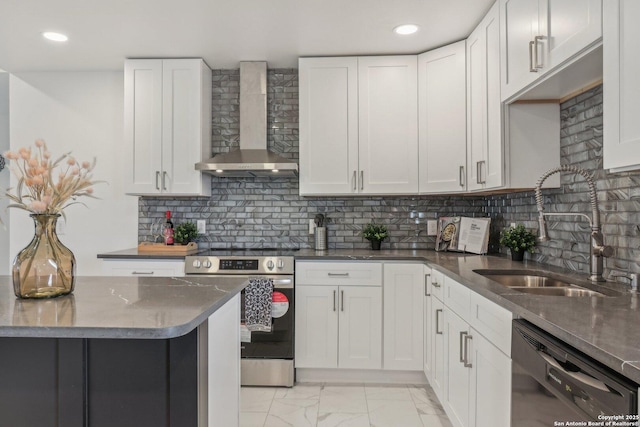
(147, 268)
(457, 297)
(491, 321)
(437, 284)
(339, 273)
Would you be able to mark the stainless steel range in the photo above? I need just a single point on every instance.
(267, 357)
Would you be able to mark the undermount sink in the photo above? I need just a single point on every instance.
(526, 280)
(539, 283)
(573, 291)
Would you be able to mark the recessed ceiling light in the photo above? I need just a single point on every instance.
(275, 170)
(56, 37)
(219, 170)
(405, 29)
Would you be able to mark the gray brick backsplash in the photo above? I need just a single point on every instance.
(254, 212)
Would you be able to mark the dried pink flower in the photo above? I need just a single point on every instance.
(25, 153)
(38, 206)
(37, 191)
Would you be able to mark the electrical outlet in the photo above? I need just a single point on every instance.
(513, 225)
(202, 226)
(312, 227)
(432, 227)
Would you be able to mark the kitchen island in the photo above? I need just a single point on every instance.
(122, 351)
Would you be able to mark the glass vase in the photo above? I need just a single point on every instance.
(45, 268)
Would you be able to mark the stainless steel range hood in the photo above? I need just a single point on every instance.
(253, 158)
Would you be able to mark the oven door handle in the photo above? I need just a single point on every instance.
(283, 283)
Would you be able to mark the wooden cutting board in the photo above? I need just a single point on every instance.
(159, 248)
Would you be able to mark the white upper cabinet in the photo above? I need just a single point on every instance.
(508, 146)
(519, 32)
(358, 126)
(539, 36)
(442, 119)
(388, 125)
(167, 126)
(621, 69)
(569, 26)
(485, 152)
(328, 125)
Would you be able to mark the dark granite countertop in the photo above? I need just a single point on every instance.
(605, 328)
(117, 307)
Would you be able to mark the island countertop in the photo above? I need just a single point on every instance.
(117, 307)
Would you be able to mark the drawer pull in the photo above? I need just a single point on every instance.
(338, 274)
(140, 273)
(462, 353)
(467, 338)
(426, 293)
(532, 69)
(438, 331)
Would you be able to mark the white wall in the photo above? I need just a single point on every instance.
(5, 260)
(80, 112)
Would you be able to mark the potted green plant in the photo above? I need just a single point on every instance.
(519, 240)
(375, 233)
(185, 232)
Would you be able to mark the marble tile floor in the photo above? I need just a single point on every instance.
(344, 405)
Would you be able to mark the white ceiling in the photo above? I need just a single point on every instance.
(102, 33)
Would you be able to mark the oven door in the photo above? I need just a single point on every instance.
(277, 344)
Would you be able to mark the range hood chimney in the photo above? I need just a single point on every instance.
(253, 158)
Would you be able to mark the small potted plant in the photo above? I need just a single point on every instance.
(185, 232)
(375, 233)
(519, 240)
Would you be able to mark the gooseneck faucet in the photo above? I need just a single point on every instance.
(598, 249)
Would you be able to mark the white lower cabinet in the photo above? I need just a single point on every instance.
(490, 384)
(403, 316)
(398, 316)
(360, 327)
(439, 351)
(338, 315)
(470, 367)
(426, 325)
(458, 375)
(338, 326)
(316, 327)
(143, 268)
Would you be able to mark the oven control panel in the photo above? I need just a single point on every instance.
(238, 265)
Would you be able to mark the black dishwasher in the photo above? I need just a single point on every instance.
(553, 383)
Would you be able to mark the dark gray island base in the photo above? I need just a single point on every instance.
(119, 351)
